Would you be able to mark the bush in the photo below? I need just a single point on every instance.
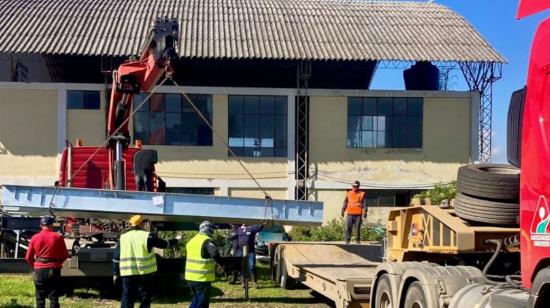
(439, 193)
(334, 231)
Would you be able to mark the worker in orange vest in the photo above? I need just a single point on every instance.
(355, 208)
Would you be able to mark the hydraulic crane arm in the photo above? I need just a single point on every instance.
(143, 74)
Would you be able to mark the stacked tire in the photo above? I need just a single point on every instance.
(488, 194)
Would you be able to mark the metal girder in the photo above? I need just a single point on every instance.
(96, 203)
(302, 130)
(480, 77)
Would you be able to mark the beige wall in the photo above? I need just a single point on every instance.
(87, 125)
(446, 145)
(212, 162)
(28, 133)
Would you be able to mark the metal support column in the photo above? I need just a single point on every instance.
(480, 77)
(302, 130)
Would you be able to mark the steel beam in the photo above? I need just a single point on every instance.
(96, 203)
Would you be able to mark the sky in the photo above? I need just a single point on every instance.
(496, 21)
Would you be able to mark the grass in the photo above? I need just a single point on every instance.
(17, 291)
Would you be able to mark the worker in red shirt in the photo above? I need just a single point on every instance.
(46, 254)
(355, 208)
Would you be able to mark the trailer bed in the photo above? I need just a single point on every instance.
(342, 273)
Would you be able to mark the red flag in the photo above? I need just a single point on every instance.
(529, 7)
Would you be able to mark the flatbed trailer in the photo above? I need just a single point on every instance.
(343, 273)
(348, 274)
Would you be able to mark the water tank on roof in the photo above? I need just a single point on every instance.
(422, 76)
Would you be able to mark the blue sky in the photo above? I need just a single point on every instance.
(495, 20)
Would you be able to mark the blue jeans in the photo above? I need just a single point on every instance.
(201, 294)
(251, 258)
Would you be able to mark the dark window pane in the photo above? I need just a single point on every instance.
(141, 127)
(235, 104)
(281, 152)
(204, 135)
(235, 126)
(369, 106)
(280, 131)
(140, 103)
(267, 104)
(389, 132)
(354, 139)
(354, 106)
(190, 123)
(156, 103)
(267, 152)
(354, 123)
(415, 106)
(173, 129)
(239, 151)
(91, 100)
(281, 103)
(415, 132)
(75, 100)
(173, 103)
(384, 106)
(400, 106)
(267, 131)
(156, 128)
(251, 104)
(400, 132)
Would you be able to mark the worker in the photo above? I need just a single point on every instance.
(355, 208)
(46, 254)
(135, 261)
(200, 265)
(234, 240)
(246, 235)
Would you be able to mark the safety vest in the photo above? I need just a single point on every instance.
(197, 268)
(135, 259)
(355, 202)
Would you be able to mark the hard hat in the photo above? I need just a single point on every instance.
(47, 220)
(206, 227)
(135, 220)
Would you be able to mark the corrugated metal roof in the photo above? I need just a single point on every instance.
(262, 29)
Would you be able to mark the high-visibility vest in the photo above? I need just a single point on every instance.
(135, 259)
(196, 267)
(355, 202)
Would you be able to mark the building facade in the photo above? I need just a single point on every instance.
(396, 142)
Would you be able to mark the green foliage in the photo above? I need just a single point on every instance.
(439, 193)
(220, 239)
(334, 231)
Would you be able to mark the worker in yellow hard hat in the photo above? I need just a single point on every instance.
(135, 261)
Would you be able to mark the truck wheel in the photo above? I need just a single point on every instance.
(415, 296)
(285, 282)
(540, 297)
(488, 181)
(383, 293)
(486, 211)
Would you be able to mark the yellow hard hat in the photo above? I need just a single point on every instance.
(135, 220)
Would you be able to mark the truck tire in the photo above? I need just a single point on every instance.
(415, 297)
(488, 181)
(384, 296)
(285, 282)
(540, 289)
(486, 211)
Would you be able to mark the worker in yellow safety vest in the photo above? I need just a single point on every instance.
(135, 261)
(355, 208)
(200, 265)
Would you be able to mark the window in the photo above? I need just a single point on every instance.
(77, 99)
(385, 122)
(258, 125)
(168, 119)
(191, 190)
